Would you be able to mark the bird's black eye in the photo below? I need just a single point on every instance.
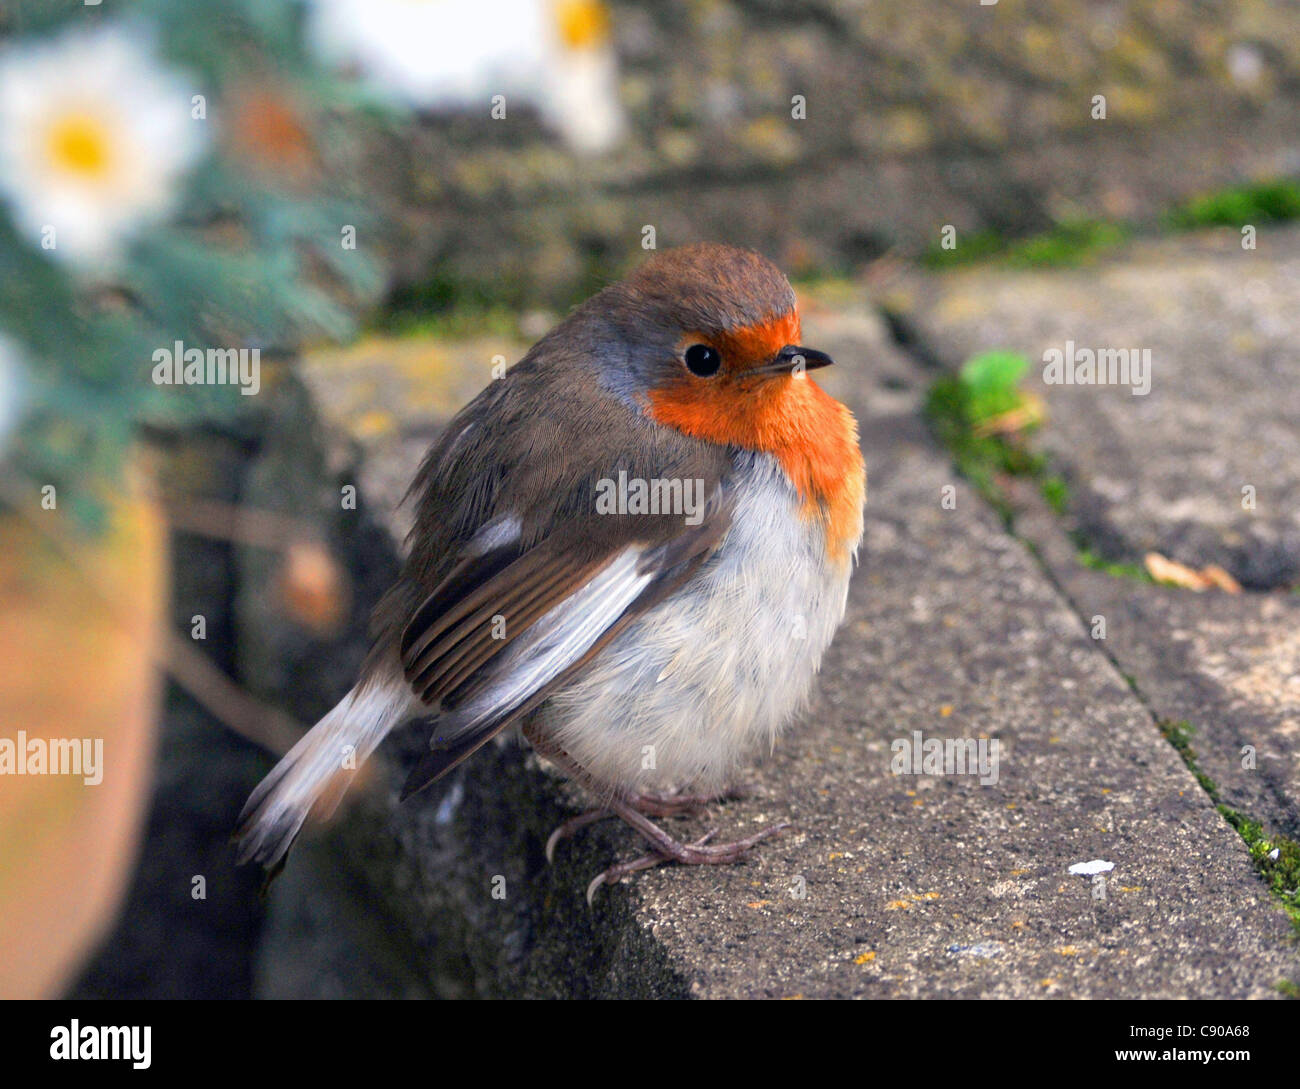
(703, 360)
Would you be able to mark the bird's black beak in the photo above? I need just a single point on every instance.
(792, 360)
(808, 359)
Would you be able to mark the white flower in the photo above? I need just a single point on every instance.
(446, 54)
(434, 52)
(581, 97)
(94, 135)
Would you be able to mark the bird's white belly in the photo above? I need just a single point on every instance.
(708, 678)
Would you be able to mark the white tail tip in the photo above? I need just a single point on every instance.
(319, 768)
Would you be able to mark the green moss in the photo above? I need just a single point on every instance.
(1072, 242)
(445, 307)
(1068, 244)
(1276, 858)
(1075, 242)
(1090, 559)
(976, 246)
(1289, 989)
(1179, 735)
(992, 383)
(1056, 492)
(833, 280)
(458, 323)
(986, 387)
(1254, 203)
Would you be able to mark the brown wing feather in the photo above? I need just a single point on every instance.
(675, 561)
(520, 599)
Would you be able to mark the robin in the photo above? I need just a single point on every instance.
(636, 546)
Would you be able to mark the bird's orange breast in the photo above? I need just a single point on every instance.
(812, 436)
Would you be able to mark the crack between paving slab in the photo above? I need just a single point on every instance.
(1088, 551)
(912, 343)
(909, 340)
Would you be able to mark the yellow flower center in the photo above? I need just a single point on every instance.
(584, 24)
(79, 144)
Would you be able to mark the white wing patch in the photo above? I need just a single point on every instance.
(496, 534)
(552, 644)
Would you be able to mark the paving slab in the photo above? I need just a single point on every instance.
(890, 885)
(1226, 665)
(1168, 470)
(1165, 472)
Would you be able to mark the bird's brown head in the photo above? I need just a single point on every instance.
(709, 317)
(706, 340)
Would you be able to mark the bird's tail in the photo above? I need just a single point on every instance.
(316, 772)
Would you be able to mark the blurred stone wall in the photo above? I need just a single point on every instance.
(918, 115)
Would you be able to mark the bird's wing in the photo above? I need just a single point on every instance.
(514, 619)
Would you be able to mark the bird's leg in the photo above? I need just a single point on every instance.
(548, 750)
(636, 811)
(690, 854)
(667, 849)
(678, 805)
(616, 873)
(652, 805)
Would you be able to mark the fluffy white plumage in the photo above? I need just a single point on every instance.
(706, 680)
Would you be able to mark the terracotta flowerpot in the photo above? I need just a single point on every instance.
(81, 627)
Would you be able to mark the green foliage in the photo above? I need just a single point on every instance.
(441, 306)
(1072, 242)
(1255, 203)
(251, 259)
(972, 247)
(1090, 559)
(1056, 492)
(986, 386)
(1179, 735)
(1277, 859)
(457, 323)
(991, 381)
(1075, 242)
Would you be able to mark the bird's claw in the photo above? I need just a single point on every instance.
(569, 827)
(616, 873)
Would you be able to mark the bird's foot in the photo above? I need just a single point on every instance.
(572, 825)
(651, 805)
(666, 849)
(615, 874)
